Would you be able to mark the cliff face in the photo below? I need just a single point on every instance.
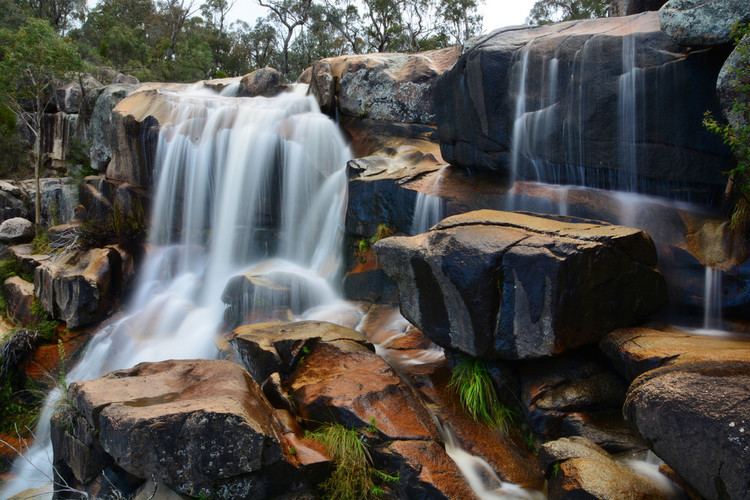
(611, 103)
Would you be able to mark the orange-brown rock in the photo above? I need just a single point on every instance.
(19, 297)
(634, 351)
(586, 471)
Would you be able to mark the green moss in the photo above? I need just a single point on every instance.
(41, 243)
(473, 384)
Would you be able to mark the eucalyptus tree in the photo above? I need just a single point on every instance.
(290, 15)
(551, 11)
(32, 60)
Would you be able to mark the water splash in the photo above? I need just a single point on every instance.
(238, 181)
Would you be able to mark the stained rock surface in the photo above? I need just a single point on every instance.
(695, 417)
(697, 22)
(200, 427)
(514, 286)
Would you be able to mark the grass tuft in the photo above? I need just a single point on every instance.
(473, 384)
(352, 478)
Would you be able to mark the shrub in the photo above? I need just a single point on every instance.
(736, 134)
(476, 392)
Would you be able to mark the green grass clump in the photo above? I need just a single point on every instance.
(352, 478)
(473, 384)
(41, 244)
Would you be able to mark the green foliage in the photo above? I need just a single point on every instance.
(354, 477)
(41, 244)
(736, 133)
(552, 11)
(473, 384)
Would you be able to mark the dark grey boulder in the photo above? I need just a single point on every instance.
(266, 82)
(514, 286)
(696, 417)
(16, 230)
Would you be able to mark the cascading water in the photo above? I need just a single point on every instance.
(239, 180)
(631, 86)
(428, 211)
(712, 318)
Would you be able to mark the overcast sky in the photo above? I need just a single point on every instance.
(497, 13)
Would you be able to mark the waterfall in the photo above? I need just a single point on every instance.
(712, 319)
(240, 182)
(428, 211)
(630, 86)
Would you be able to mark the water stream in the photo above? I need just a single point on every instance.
(239, 182)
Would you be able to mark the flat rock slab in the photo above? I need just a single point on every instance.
(515, 286)
(265, 348)
(586, 471)
(201, 427)
(634, 351)
(696, 417)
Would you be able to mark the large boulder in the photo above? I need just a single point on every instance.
(16, 230)
(514, 286)
(80, 288)
(72, 97)
(548, 99)
(101, 126)
(382, 87)
(581, 469)
(733, 82)
(266, 82)
(695, 417)
(59, 198)
(201, 427)
(697, 22)
(14, 201)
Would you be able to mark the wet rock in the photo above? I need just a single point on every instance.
(345, 381)
(383, 87)
(114, 211)
(476, 106)
(583, 470)
(16, 230)
(265, 348)
(266, 82)
(425, 471)
(731, 82)
(79, 288)
(19, 297)
(26, 259)
(696, 22)
(695, 417)
(258, 294)
(634, 351)
(202, 428)
(573, 395)
(101, 127)
(514, 286)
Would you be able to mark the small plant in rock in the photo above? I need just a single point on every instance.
(354, 477)
(41, 244)
(365, 244)
(476, 392)
(737, 133)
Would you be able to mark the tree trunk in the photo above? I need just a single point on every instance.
(37, 182)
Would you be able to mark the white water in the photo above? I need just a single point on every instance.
(712, 318)
(237, 181)
(428, 211)
(631, 86)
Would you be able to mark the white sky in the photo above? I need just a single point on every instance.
(497, 13)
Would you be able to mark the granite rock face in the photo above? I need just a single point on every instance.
(697, 22)
(381, 87)
(514, 286)
(548, 103)
(266, 82)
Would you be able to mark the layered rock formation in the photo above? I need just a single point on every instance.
(507, 285)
